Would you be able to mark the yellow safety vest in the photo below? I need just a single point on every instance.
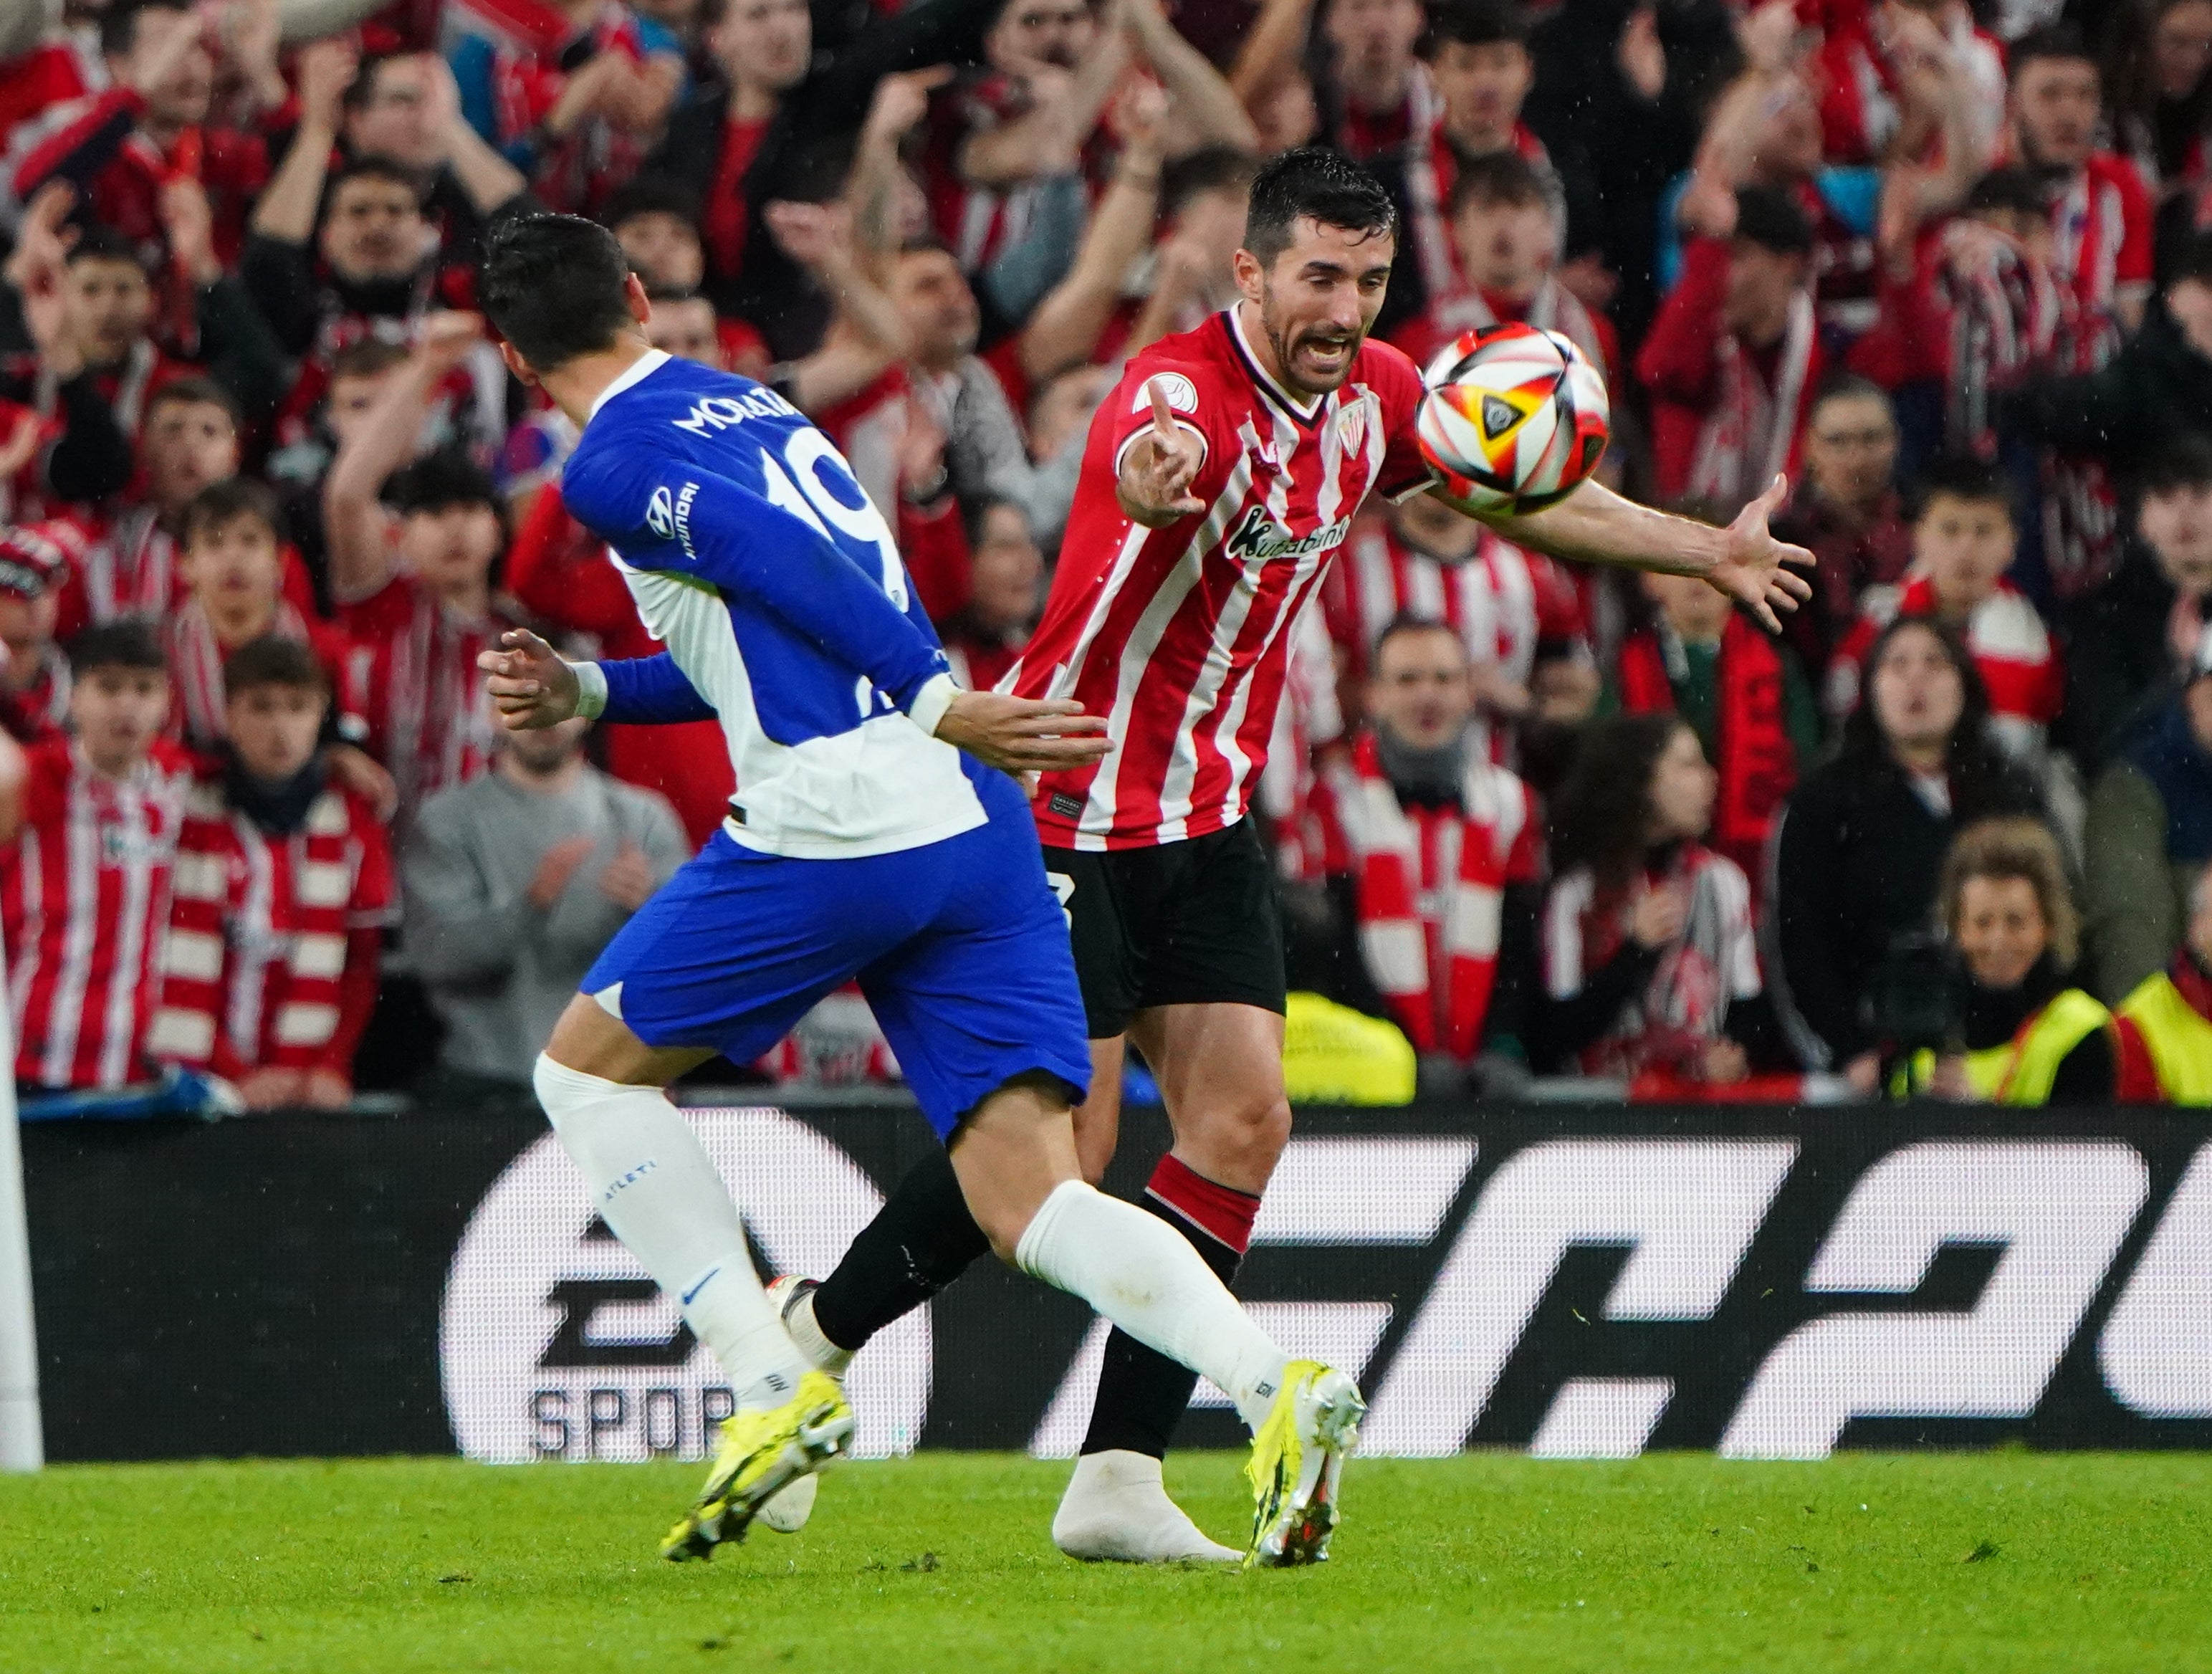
(2021, 1071)
(2179, 1039)
(1333, 1055)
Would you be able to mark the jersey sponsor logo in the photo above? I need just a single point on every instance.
(1179, 392)
(719, 412)
(661, 513)
(1257, 535)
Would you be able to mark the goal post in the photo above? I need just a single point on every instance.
(22, 1434)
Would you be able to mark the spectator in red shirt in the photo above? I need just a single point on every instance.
(283, 886)
(1733, 358)
(34, 680)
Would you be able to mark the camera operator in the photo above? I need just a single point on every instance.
(2026, 1036)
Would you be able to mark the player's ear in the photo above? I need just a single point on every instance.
(1251, 277)
(517, 365)
(640, 304)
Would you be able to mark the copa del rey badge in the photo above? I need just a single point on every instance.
(1351, 426)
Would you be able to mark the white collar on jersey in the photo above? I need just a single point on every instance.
(1307, 410)
(639, 369)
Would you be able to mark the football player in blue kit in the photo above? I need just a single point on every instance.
(875, 836)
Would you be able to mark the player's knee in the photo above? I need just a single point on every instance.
(1242, 1141)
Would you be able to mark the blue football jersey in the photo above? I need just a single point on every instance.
(754, 557)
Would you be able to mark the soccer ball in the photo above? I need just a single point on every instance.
(1515, 418)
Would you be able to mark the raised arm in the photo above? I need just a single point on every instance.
(1594, 525)
(286, 211)
(354, 522)
(489, 181)
(868, 333)
(1270, 49)
(1206, 110)
(1073, 315)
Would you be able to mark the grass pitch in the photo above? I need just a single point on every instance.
(2004, 1561)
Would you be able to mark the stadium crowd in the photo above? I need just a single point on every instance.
(266, 490)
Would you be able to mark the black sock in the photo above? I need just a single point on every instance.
(1141, 1392)
(920, 1242)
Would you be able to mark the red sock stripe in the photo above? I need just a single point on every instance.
(1223, 1212)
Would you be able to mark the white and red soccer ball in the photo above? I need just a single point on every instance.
(1515, 418)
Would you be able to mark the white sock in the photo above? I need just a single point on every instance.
(1143, 1275)
(654, 1184)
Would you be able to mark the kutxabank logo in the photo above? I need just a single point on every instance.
(554, 1341)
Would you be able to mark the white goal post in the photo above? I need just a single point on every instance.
(22, 1434)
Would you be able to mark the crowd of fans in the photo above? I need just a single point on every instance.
(266, 491)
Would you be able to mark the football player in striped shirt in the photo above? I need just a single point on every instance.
(1221, 478)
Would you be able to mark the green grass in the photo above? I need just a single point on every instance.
(2004, 1561)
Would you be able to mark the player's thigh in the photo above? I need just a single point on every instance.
(985, 993)
(739, 946)
(1220, 1070)
(1093, 890)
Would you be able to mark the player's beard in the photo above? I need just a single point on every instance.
(1286, 344)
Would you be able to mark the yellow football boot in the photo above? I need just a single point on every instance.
(1297, 1458)
(763, 1450)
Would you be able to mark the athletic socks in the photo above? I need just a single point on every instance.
(1143, 1275)
(653, 1183)
(1142, 1394)
(921, 1241)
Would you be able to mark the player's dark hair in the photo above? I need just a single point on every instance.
(129, 641)
(650, 194)
(370, 166)
(1772, 221)
(1312, 184)
(218, 505)
(2183, 463)
(1962, 476)
(1498, 177)
(555, 286)
(1210, 169)
(438, 482)
(2059, 40)
(103, 243)
(1406, 622)
(194, 391)
(273, 659)
(2008, 191)
(119, 24)
(1476, 23)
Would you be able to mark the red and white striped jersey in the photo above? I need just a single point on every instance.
(1177, 634)
(84, 894)
(2100, 225)
(196, 660)
(273, 942)
(413, 673)
(1505, 602)
(2011, 648)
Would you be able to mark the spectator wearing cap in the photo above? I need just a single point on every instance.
(2136, 637)
(1846, 510)
(34, 677)
(1732, 360)
(2150, 835)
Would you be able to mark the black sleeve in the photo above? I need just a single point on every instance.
(279, 279)
(1519, 987)
(836, 99)
(1752, 1026)
(92, 460)
(1808, 915)
(1560, 1028)
(241, 351)
(2089, 1074)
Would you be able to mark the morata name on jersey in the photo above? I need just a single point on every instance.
(1257, 535)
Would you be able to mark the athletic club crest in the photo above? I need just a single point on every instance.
(1351, 426)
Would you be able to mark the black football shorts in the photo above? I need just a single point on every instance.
(1180, 923)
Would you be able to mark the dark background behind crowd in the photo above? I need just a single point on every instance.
(266, 491)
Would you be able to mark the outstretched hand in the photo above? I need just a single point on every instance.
(1750, 570)
(1157, 471)
(531, 685)
(1021, 736)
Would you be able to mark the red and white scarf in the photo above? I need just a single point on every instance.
(196, 657)
(249, 981)
(1429, 885)
(132, 571)
(2007, 316)
(1747, 438)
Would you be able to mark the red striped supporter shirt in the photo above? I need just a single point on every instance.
(1179, 635)
(84, 892)
(2005, 637)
